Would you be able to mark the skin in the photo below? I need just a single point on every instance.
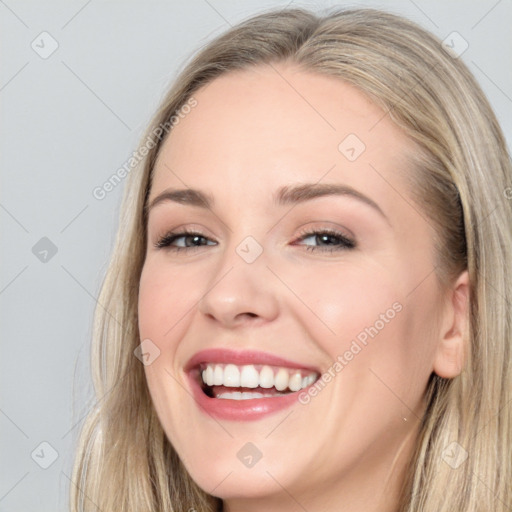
(252, 132)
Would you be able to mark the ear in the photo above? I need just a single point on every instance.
(450, 355)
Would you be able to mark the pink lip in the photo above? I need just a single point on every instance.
(239, 410)
(221, 355)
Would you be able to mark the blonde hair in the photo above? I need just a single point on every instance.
(459, 178)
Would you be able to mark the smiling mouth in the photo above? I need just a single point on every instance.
(246, 382)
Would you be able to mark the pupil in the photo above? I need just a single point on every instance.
(326, 238)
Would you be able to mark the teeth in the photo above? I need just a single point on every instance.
(231, 376)
(266, 377)
(239, 395)
(209, 376)
(251, 376)
(281, 380)
(295, 382)
(218, 375)
(308, 380)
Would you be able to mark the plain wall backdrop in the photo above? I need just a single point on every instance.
(79, 80)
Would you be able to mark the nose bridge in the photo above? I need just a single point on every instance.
(241, 285)
(247, 247)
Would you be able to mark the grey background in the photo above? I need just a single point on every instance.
(69, 121)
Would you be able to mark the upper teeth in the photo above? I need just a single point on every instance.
(251, 376)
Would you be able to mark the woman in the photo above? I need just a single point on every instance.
(307, 306)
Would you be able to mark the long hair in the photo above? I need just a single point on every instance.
(461, 178)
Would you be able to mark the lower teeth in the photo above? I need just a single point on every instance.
(244, 395)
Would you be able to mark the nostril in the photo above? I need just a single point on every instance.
(247, 314)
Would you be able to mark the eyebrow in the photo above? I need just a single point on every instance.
(286, 195)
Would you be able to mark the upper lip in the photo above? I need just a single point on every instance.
(243, 357)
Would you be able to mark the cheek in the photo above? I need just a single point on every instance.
(364, 318)
(343, 302)
(163, 306)
(162, 312)
(165, 297)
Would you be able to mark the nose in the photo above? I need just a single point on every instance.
(239, 292)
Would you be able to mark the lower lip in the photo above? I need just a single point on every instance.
(241, 410)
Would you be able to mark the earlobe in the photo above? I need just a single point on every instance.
(450, 355)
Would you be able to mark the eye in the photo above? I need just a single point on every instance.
(182, 240)
(327, 240)
(333, 240)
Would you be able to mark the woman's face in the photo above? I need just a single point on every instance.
(310, 262)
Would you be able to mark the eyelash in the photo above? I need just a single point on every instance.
(346, 244)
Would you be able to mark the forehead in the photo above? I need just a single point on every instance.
(271, 125)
